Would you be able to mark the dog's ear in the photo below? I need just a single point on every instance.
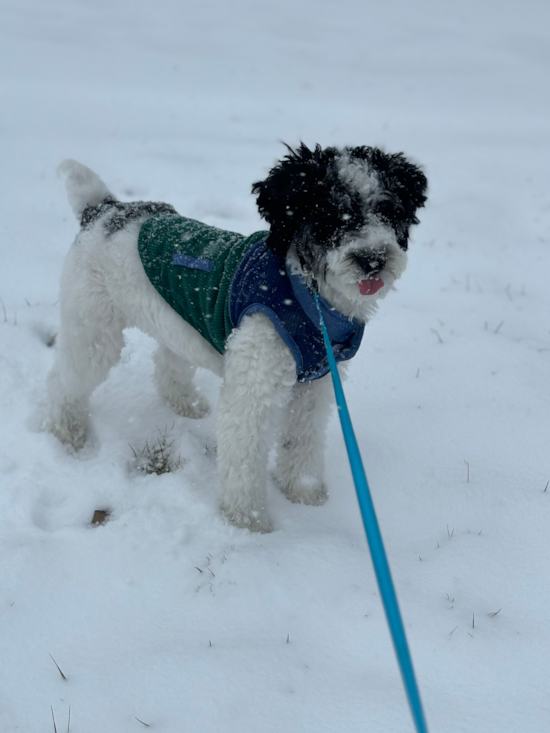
(399, 176)
(291, 193)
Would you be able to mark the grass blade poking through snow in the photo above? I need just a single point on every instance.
(59, 668)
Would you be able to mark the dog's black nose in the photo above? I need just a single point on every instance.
(371, 262)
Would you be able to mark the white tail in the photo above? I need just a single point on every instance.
(84, 187)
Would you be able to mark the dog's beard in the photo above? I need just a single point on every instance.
(347, 274)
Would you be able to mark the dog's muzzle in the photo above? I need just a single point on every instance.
(371, 263)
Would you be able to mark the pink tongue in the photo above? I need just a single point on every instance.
(370, 287)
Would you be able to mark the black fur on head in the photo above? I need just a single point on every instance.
(306, 196)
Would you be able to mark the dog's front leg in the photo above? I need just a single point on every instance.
(258, 377)
(300, 454)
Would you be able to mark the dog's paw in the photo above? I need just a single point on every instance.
(70, 431)
(255, 521)
(193, 407)
(305, 490)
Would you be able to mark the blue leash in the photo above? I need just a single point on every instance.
(374, 539)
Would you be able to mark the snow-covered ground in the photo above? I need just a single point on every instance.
(166, 615)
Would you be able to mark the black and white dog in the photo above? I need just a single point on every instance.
(340, 221)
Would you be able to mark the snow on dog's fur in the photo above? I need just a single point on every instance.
(340, 219)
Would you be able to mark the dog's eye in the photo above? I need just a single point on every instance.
(389, 210)
(385, 208)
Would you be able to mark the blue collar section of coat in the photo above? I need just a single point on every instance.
(262, 283)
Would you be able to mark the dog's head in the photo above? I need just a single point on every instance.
(345, 214)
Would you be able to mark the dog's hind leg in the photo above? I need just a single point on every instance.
(174, 379)
(300, 454)
(89, 344)
(259, 375)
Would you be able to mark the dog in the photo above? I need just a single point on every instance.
(339, 224)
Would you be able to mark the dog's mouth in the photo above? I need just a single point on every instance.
(370, 286)
(371, 263)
